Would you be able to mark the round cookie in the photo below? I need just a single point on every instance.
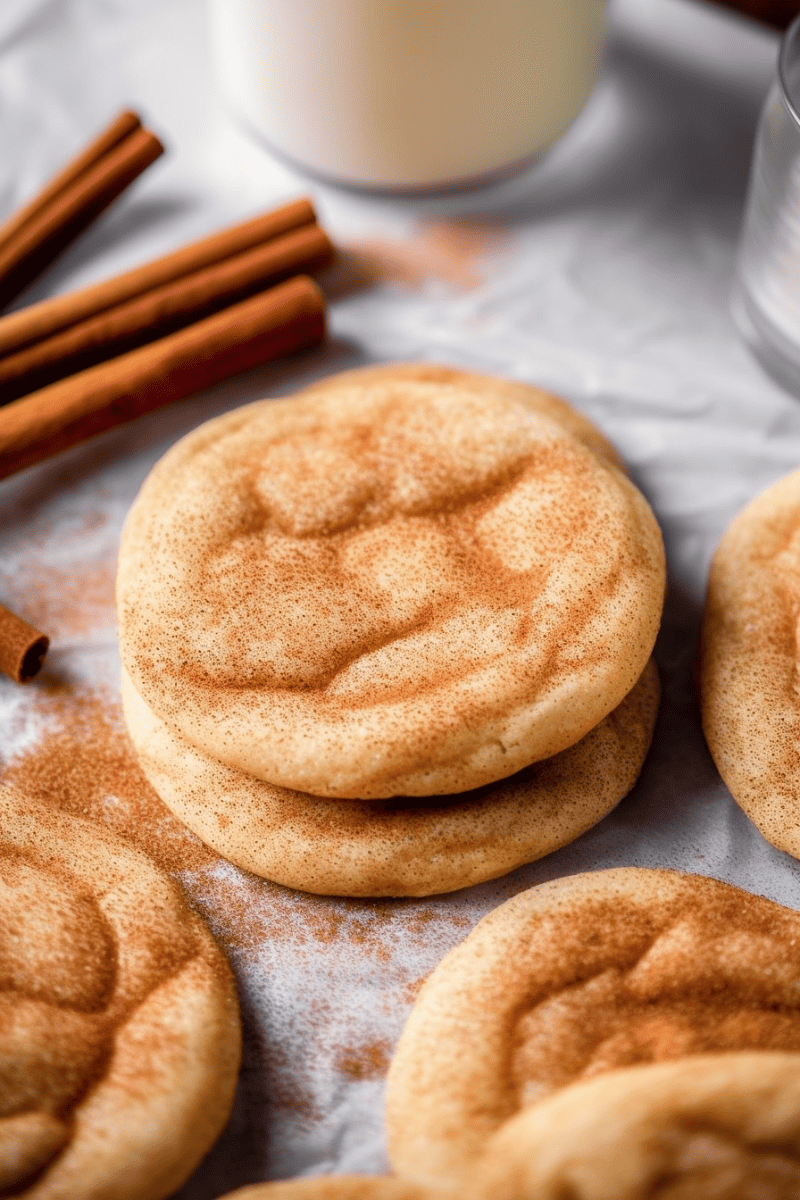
(395, 588)
(749, 659)
(396, 848)
(118, 1016)
(725, 1126)
(577, 977)
(339, 1187)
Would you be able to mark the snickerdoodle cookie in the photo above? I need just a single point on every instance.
(119, 1024)
(339, 1187)
(723, 1126)
(394, 587)
(575, 978)
(395, 847)
(749, 662)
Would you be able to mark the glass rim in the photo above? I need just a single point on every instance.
(788, 45)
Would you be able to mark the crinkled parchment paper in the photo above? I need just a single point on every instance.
(603, 274)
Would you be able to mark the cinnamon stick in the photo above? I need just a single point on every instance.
(279, 321)
(42, 320)
(22, 648)
(120, 128)
(33, 237)
(162, 310)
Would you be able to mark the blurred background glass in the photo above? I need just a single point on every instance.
(766, 301)
(407, 94)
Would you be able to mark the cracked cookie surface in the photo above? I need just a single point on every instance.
(576, 978)
(722, 1127)
(387, 587)
(118, 1016)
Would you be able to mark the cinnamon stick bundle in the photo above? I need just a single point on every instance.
(161, 310)
(37, 233)
(22, 648)
(48, 317)
(279, 321)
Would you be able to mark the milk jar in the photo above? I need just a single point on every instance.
(407, 94)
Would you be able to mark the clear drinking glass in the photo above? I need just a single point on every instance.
(766, 300)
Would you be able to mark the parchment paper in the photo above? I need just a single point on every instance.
(603, 273)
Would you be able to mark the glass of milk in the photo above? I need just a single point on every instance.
(766, 298)
(407, 95)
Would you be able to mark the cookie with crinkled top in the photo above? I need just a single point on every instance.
(397, 847)
(339, 1187)
(723, 1126)
(749, 658)
(118, 1016)
(576, 978)
(539, 401)
(391, 587)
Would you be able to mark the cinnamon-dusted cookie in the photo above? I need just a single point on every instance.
(725, 1126)
(575, 978)
(119, 1024)
(396, 847)
(340, 1187)
(396, 588)
(749, 659)
(543, 403)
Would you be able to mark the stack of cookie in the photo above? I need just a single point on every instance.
(391, 636)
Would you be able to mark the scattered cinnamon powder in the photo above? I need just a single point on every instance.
(291, 1085)
(452, 252)
(238, 907)
(83, 764)
(65, 601)
(299, 1030)
(413, 989)
(245, 910)
(369, 1061)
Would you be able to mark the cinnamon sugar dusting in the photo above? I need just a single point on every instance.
(304, 964)
(428, 568)
(83, 764)
(451, 252)
(714, 970)
(369, 1061)
(413, 989)
(65, 601)
(579, 977)
(91, 930)
(294, 953)
(246, 912)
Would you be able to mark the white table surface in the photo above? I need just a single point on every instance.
(602, 274)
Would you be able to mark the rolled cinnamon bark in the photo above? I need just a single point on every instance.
(162, 310)
(42, 320)
(282, 320)
(120, 128)
(22, 648)
(35, 237)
